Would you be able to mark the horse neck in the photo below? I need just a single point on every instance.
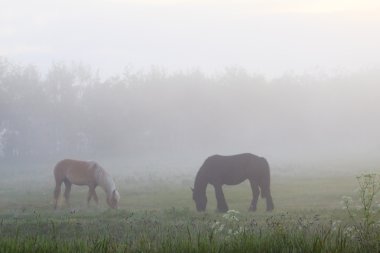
(106, 182)
(200, 183)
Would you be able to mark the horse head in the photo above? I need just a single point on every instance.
(200, 199)
(113, 200)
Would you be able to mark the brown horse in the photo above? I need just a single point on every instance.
(232, 170)
(84, 173)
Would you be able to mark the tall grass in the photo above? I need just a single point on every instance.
(355, 228)
(180, 231)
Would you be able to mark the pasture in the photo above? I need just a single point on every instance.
(157, 214)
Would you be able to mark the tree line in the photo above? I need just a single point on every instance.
(71, 111)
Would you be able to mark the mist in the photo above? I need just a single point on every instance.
(190, 125)
(266, 37)
(169, 83)
(164, 119)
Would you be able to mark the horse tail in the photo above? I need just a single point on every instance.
(265, 188)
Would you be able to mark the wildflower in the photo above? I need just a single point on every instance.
(351, 232)
(238, 231)
(347, 200)
(335, 224)
(231, 215)
(215, 225)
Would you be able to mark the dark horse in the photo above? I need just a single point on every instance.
(232, 170)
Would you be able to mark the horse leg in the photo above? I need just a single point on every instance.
(265, 193)
(221, 201)
(67, 191)
(255, 195)
(95, 196)
(270, 205)
(89, 196)
(92, 193)
(57, 192)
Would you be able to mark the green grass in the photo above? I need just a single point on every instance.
(159, 216)
(172, 230)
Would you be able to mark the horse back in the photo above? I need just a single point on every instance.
(234, 169)
(76, 172)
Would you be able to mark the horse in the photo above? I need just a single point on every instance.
(88, 173)
(218, 170)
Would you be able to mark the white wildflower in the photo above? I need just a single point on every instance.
(231, 215)
(335, 224)
(215, 225)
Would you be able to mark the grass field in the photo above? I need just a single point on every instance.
(157, 214)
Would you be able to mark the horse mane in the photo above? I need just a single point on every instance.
(104, 180)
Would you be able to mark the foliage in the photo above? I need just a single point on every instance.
(365, 218)
(70, 111)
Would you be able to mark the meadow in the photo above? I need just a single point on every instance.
(326, 212)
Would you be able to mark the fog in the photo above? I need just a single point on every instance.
(167, 83)
(269, 37)
(158, 119)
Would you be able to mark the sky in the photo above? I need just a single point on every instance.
(269, 37)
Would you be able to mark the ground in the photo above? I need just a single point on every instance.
(157, 214)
